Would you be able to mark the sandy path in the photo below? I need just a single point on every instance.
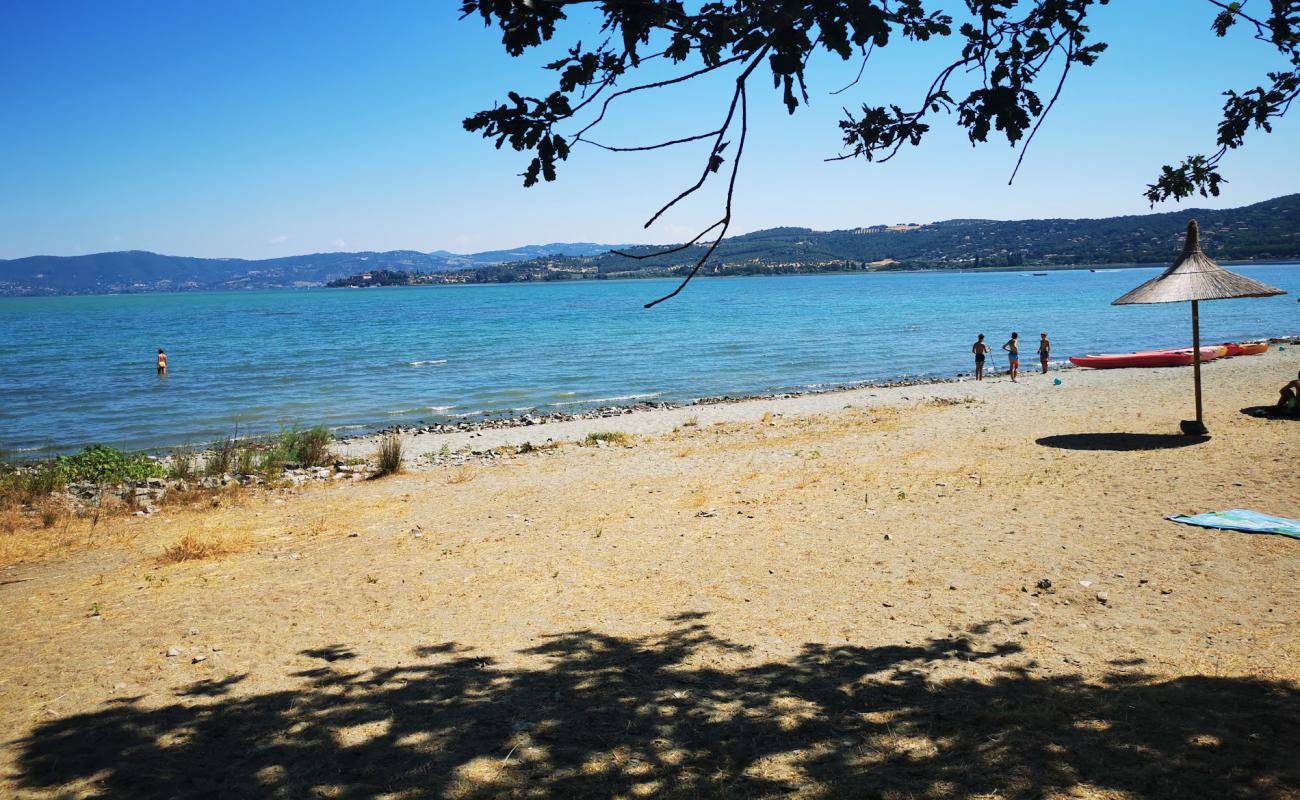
(840, 601)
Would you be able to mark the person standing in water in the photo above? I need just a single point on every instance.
(1013, 354)
(1044, 351)
(980, 350)
(162, 362)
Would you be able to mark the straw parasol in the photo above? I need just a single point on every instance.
(1195, 277)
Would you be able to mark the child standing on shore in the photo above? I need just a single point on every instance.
(980, 350)
(1044, 351)
(1013, 354)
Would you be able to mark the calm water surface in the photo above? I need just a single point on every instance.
(77, 370)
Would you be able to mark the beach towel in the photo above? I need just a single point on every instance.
(1240, 519)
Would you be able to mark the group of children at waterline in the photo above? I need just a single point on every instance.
(1012, 346)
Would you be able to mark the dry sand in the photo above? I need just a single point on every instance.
(825, 596)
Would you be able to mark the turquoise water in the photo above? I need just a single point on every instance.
(77, 370)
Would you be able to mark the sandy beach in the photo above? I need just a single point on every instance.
(951, 590)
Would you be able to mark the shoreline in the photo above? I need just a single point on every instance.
(432, 445)
(485, 431)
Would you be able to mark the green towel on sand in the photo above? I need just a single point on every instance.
(1239, 519)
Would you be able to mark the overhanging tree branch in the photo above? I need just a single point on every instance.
(1007, 48)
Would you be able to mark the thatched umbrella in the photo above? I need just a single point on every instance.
(1195, 277)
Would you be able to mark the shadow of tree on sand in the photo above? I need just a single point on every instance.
(604, 716)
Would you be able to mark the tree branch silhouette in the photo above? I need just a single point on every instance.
(1008, 44)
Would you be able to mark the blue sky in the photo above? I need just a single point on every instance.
(263, 129)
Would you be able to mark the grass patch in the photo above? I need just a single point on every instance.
(309, 448)
(608, 437)
(222, 457)
(246, 462)
(181, 466)
(26, 487)
(389, 456)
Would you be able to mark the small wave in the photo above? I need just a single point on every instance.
(431, 362)
(420, 410)
(618, 399)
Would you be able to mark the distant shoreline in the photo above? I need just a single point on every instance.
(958, 271)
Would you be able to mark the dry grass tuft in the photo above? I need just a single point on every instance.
(191, 547)
(462, 475)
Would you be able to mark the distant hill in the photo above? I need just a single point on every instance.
(140, 271)
(1264, 231)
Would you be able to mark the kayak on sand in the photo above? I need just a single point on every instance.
(1246, 348)
(1150, 359)
(1173, 357)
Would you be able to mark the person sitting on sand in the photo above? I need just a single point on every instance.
(162, 361)
(1044, 350)
(1013, 354)
(980, 350)
(1289, 401)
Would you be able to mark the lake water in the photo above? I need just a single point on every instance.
(78, 370)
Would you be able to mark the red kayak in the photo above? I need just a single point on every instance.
(1172, 358)
(1208, 352)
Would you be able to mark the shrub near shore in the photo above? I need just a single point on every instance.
(101, 479)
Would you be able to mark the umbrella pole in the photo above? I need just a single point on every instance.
(1196, 359)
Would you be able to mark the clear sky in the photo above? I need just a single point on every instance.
(257, 129)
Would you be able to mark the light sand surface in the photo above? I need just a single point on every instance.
(824, 596)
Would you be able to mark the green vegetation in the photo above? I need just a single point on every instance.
(247, 462)
(608, 437)
(181, 466)
(107, 465)
(310, 447)
(378, 277)
(29, 484)
(25, 487)
(302, 447)
(389, 457)
(221, 456)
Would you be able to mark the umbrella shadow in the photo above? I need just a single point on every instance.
(1120, 442)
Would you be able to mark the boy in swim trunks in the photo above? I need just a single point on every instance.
(1044, 350)
(1290, 397)
(980, 350)
(1013, 354)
